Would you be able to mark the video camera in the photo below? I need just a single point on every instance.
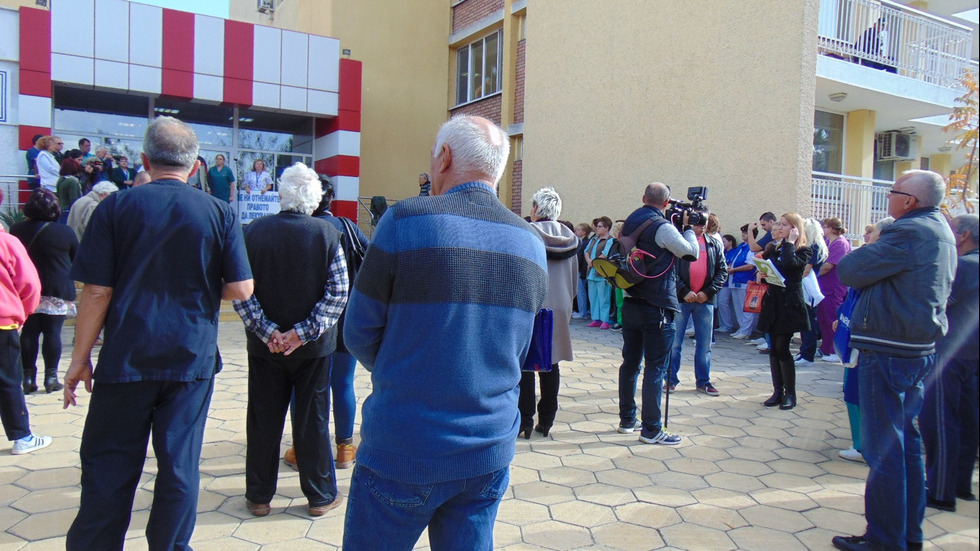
(695, 216)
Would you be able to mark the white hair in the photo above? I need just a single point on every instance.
(170, 142)
(105, 188)
(299, 189)
(927, 186)
(474, 149)
(884, 223)
(548, 203)
(814, 236)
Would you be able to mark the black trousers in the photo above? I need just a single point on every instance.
(13, 408)
(781, 364)
(270, 385)
(548, 405)
(38, 325)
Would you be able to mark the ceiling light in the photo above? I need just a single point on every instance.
(838, 96)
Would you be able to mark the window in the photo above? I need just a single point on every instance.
(478, 68)
(828, 142)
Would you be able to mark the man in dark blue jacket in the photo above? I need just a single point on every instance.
(905, 279)
(949, 411)
(648, 315)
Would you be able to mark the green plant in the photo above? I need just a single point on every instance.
(9, 218)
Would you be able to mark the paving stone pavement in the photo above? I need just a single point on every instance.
(745, 476)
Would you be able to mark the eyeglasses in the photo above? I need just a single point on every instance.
(894, 192)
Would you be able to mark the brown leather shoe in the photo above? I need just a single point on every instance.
(321, 510)
(346, 454)
(258, 509)
(290, 458)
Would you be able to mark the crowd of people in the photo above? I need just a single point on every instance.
(315, 298)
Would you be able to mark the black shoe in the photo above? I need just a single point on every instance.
(774, 400)
(949, 506)
(30, 388)
(51, 384)
(789, 402)
(543, 430)
(851, 543)
(525, 432)
(966, 496)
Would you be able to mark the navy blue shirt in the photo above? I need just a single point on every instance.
(766, 239)
(165, 249)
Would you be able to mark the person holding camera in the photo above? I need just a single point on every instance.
(648, 313)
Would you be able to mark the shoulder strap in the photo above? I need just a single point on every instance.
(31, 242)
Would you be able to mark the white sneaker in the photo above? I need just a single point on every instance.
(800, 360)
(757, 342)
(831, 358)
(851, 454)
(577, 316)
(689, 333)
(737, 335)
(29, 444)
(763, 346)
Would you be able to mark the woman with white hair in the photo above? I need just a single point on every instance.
(814, 235)
(301, 288)
(561, 246)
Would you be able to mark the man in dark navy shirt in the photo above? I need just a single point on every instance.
(156, 262)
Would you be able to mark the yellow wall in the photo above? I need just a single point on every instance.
(621, 94)
(859, 137)
(404, 49)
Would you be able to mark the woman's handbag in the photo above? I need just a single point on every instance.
(539, 354)
(842, 336)
(753, 297)
(811, 289)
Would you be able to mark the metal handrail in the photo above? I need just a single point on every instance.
(912, 43)
(855, 200)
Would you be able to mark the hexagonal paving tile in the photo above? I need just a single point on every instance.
(556, 535)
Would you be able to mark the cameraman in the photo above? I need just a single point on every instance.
(648, 314)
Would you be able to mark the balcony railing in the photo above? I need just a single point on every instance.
(856, 201)
(890, 36)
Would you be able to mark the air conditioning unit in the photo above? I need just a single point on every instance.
(266, 6)
(896, 146)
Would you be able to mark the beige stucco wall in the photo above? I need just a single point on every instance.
(620, 94)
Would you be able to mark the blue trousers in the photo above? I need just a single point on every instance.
(808, 339)
(391, 515)
(583, 298)
(950, 428)
(13, 408)
(648, 332)
(600, 300)
(121, 419)
(895, 494)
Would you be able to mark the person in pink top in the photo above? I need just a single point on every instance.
(20, 292)
(833, 290)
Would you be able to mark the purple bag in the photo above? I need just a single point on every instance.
(539, 354)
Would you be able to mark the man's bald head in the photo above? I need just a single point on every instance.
(656, 195)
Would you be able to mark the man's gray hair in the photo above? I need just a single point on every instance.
(170, 142)
(927, 186)
(548, 202)
(299, 189)
(968, 223)
(473, 148)
(656, 193)
(884, 223)
(105, 188)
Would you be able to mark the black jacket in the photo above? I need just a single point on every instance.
(715, 278)
(783, 308)
(52, 248)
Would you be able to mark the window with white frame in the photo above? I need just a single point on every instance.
(478, 68)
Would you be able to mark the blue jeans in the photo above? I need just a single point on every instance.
(647, 334)
(121, 419)
(808, 339)
(583, 298)
(342, 366)
(391, 515)
(895, 494)
(703, 315)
